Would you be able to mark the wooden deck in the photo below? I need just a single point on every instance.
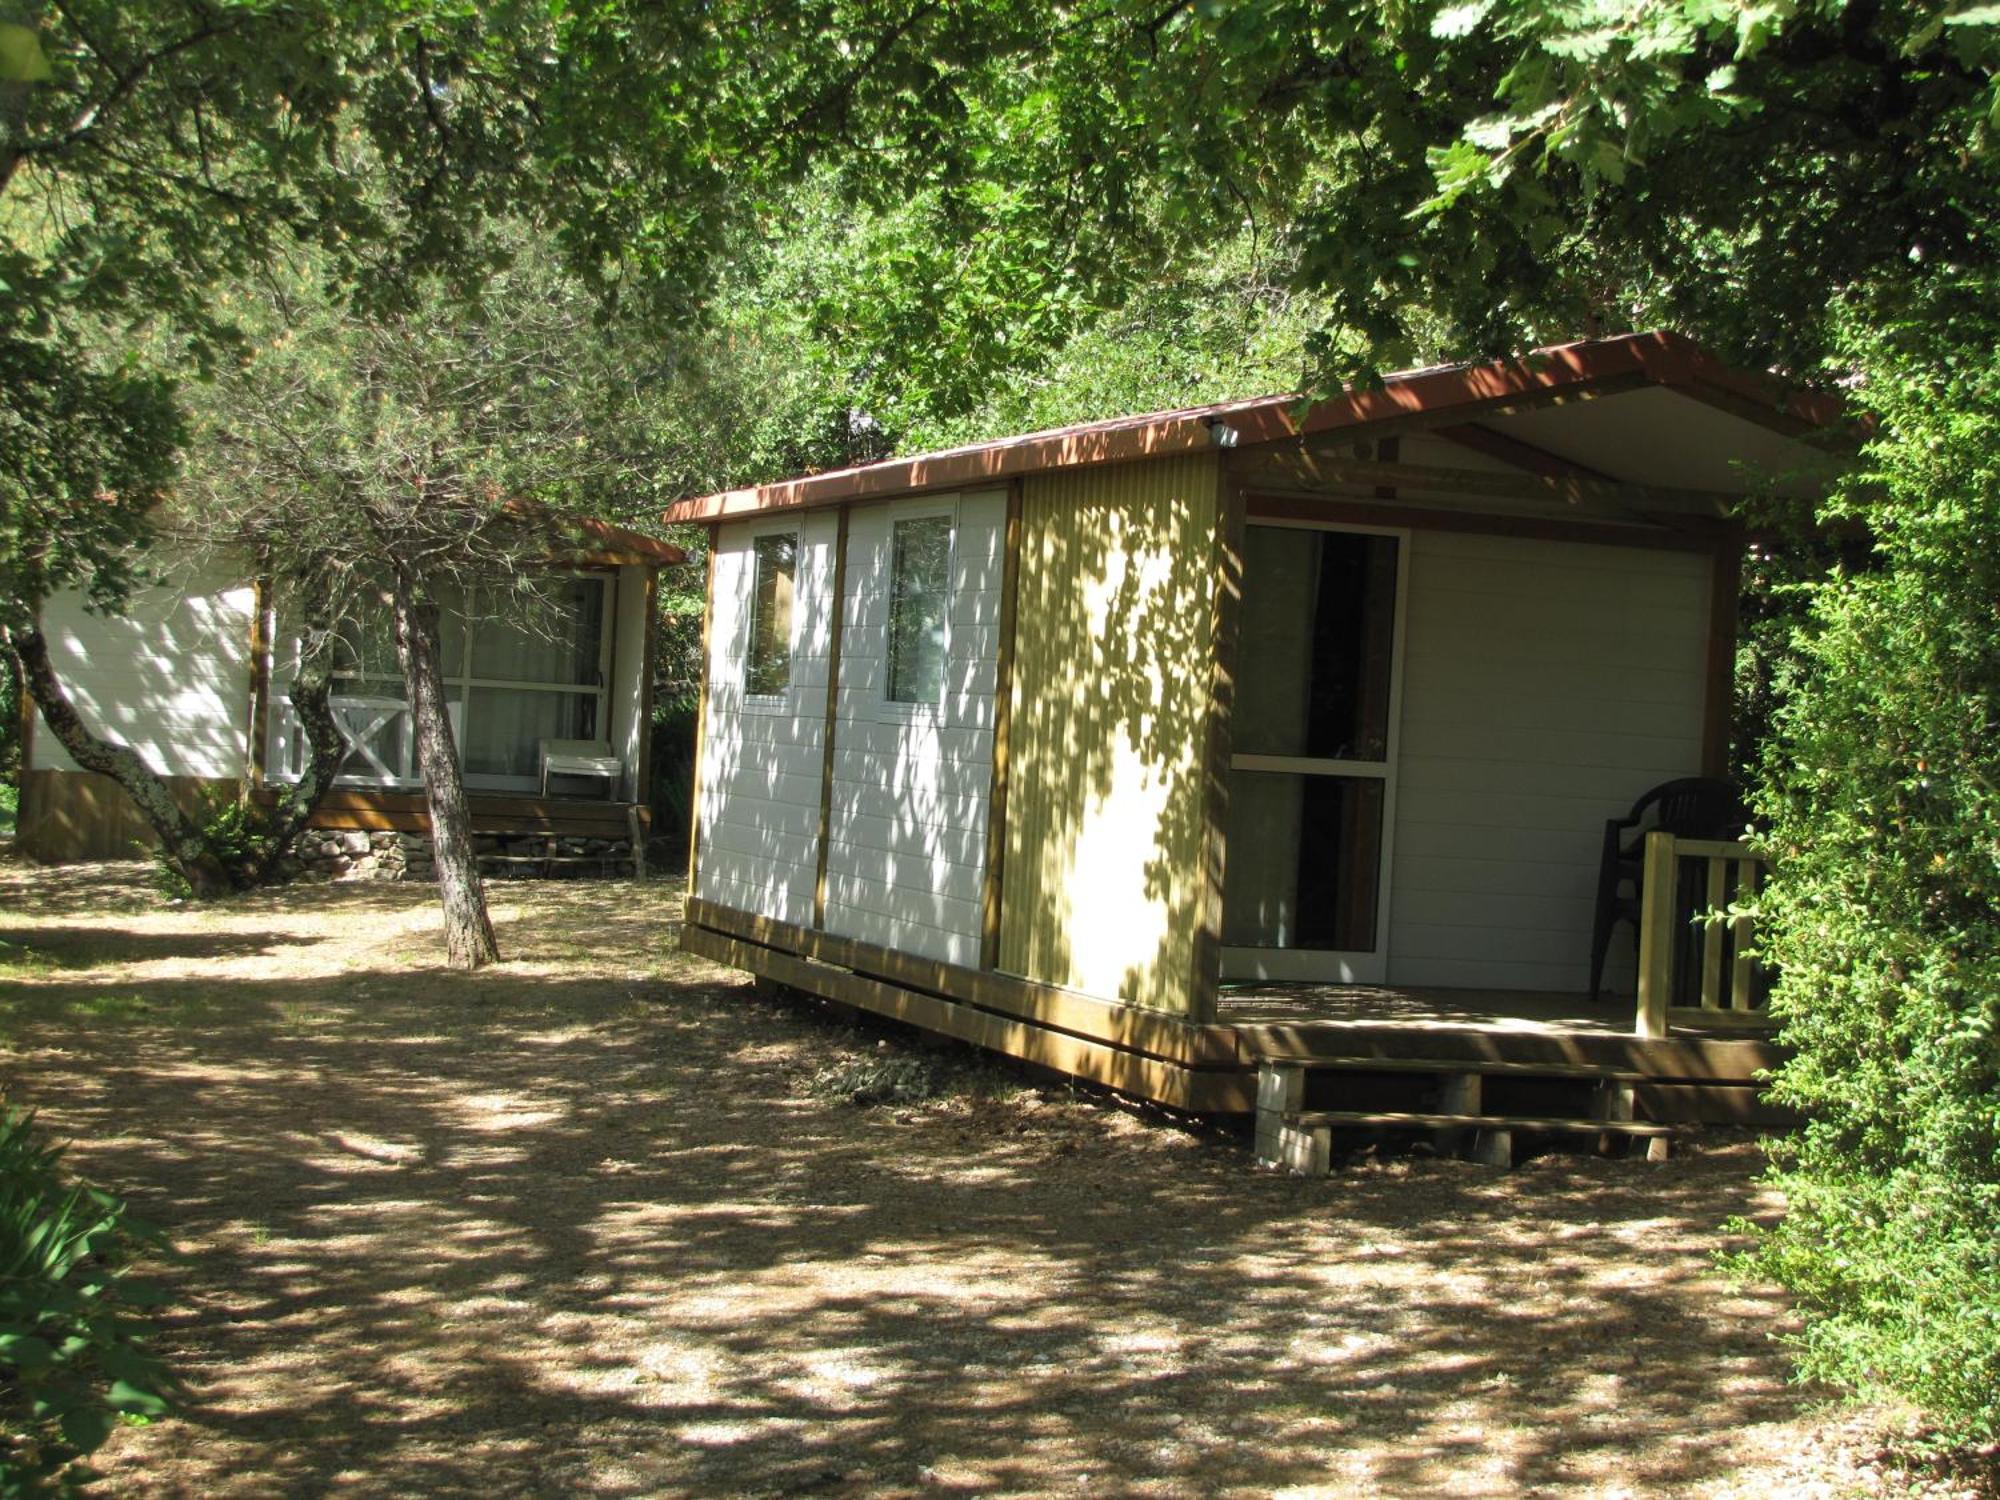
(1308, 1022)
(1357, 1031)
(373, 809)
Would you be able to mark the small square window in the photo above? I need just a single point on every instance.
(776, 566)
(919, 590)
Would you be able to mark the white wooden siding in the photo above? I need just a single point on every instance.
(169, 675)
(906, 852)
(761, 760)
(1546, 686)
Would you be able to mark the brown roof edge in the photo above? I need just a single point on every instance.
(1665, 359)
(618, 539)
(597, 540)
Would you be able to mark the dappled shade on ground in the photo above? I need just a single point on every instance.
(590, 1222)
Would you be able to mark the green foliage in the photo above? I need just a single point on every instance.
(1881, 784)
(233, 831)
(10, 722)
(1227, 326)
(71, 1360)
(880, 1079)
(85, 453)
(1530, 170)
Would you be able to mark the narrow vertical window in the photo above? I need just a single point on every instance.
(770, 669)
(920, 586)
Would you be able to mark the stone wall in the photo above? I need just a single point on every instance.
(355, 854)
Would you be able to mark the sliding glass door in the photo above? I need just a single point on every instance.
(1312, 776)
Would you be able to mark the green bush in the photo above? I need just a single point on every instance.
(1881, 784)
(234, 832)
(71, 1362)
(671, 793)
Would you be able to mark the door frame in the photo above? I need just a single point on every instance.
(1333, 965)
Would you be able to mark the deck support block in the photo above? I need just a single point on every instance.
(1494, 1148)
(1616, 1100)
(1281, 1091)
(1306, 1150)
(1458, 1094)
(1659, 1148)
(1282, 1142)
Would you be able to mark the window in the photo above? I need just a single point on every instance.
(919, 590)
(1317, 635)
(525, 653)
(518, 669)
(776, 560)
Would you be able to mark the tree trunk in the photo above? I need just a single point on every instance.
(468, 933)
(312, 700)
(180, 837)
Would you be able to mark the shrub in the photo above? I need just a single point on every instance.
(670, 792)
(1881, 784)
(892, 1079)
(233, 831)
(71, 1362)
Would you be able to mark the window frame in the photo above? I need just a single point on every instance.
(892, 710)
(1335, 965)
(779, 702)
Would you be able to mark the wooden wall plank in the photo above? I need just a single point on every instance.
(838, 606)
(1003, 696)
(1225, 613)
(1102, 878)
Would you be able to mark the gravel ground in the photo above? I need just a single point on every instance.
(601, 1220)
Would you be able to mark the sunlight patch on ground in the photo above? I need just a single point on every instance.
(572, 1226)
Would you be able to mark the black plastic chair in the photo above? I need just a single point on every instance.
(1693, 807)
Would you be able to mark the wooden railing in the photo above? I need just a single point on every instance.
(1684, 920)
(376, 733)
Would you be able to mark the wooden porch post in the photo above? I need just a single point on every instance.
(701, 716)
(1656, 934)
(259, 730)
(1725, 585)
(1225, 613)
(1003, 719)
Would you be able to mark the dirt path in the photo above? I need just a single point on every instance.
(592, 1222)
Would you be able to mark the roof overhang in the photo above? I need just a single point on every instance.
(580, 539)
(1441, 397)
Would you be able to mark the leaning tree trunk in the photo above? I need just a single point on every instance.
(312, 700)
(180, 837)
(468, 933)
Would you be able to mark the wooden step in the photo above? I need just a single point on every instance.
(557, 860)
(1292, 1136)
(1487, 1069)
(1398, 1119)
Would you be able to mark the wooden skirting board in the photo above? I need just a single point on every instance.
(1150, 1033)
(1173, 1084)
(69, 815)
(407, 812)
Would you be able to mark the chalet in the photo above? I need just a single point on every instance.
(1268, 746)
(550, 706)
